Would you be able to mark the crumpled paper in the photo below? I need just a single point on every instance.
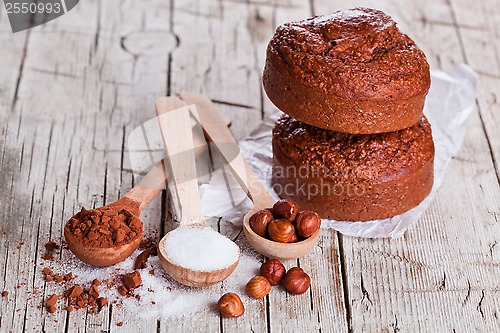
(448, 106)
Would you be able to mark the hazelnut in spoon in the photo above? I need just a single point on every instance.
(193, 254)
(212, 125)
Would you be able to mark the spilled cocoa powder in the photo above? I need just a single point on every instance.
(107, 226)
(50, 247)
(142, 258)
(76, 297)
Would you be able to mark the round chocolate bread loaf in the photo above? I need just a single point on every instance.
(352, 177)
(353, 71)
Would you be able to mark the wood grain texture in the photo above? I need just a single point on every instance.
(441, 274)
(71, 91)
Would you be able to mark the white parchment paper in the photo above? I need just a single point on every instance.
(449, 103)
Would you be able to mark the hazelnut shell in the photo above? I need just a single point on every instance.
(296, 281)
(258, 287)
(281, 231)
(230, 305)
(285, 209)
(307, 223)
(259, 222)
(273, 270)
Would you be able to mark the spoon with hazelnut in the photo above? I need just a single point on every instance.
(193, 254)
(285, 244)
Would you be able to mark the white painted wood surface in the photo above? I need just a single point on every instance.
(73, 89)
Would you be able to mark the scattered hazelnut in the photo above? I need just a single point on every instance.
(273, 270)
(285, 209)
(230, 305)
(259, 222)
(307, 223)
(296, 281)
(281, 231)
(258, 287)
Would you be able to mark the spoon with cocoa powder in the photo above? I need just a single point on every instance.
(193, 254)
(223, 140)
(107, 235)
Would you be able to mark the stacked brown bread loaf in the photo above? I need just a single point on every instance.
(358, 147)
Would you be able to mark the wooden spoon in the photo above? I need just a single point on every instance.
(220, 136)
(176, 129)
(135, 201)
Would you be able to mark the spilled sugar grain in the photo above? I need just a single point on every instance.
(160, 296)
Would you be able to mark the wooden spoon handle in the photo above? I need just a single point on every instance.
(214, 128)
(154, 181)
(149, 186)
(175, 124)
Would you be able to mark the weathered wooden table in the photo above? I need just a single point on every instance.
(72, 90)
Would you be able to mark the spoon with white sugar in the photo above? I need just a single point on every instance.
(193, 254)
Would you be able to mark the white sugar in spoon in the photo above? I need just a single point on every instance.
(193, 254)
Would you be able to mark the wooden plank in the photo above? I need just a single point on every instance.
(441, 275)
(75, 136)
(215, 57)
(11, 160)
(321, 309)
(480, 36)
(252, 26)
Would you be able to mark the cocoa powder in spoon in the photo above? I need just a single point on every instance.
(107, 226)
